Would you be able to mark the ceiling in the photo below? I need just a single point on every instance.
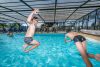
(50, 10)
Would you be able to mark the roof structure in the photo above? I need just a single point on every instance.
(50, 10)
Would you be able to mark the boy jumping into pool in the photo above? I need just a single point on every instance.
(30, 32)
(80, 42)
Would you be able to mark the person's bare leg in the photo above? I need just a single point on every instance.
(83, 54)
(35, 44)
(97, 56)
(84, 45)
(25, 46)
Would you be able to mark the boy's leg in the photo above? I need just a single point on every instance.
(84, 45)
(25, 46)
(35, 44)
(83, 53)
(97, 56)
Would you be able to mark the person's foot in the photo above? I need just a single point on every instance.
(26, 51)
(97, 57)
(24, 47)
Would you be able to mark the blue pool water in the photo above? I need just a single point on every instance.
(52, 52)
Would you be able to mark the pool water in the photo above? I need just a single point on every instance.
(52, 52)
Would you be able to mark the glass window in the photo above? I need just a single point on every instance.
(77, 25)
(80, 23)
(85, 24)
(98, 20)
(91, 23)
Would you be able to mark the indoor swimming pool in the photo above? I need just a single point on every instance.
(52, 52)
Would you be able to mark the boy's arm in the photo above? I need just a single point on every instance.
(31, 48)
(31, 15)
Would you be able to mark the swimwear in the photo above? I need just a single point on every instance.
(28, 40)
(79, 38)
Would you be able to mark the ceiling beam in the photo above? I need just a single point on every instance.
(76, 10)
(42, 0)
(11, 20)
(43, 4)
(55, 10)
(49, 3)
(12, 11)
(88, 13)
(3, 21)
(11, 17)
(97, 6)
(7, 19)
(31, 8)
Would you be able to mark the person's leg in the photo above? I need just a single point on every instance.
(84, 45)
(83, 54)
(97, 56)
(25, 46)
(34, 45)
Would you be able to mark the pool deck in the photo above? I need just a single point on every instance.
(91, 36)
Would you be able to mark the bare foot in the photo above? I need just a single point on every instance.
(25, 46)
(97, 57)
(26, 51)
